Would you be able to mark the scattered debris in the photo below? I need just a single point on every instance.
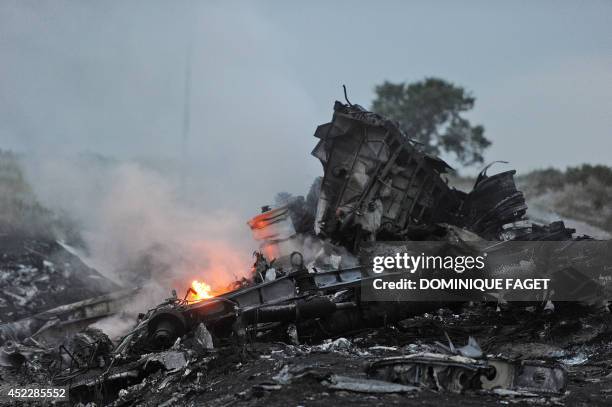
(170, 360)
(339, 345)
(203, 341)
(37, 274)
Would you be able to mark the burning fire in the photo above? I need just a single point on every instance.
(213, 269)
(201, 291)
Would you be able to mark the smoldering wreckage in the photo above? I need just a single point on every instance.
(298, 331)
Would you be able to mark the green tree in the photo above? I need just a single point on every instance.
(431, 112)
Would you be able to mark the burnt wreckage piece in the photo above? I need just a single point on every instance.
(378, 185)
(298, 297)
(375, 179)
(457, 373)
(492, 203)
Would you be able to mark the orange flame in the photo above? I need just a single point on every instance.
(201, 290)
(212, 269)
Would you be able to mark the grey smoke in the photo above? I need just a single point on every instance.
(93, 97)
(108, 77)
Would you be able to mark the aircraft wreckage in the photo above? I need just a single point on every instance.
(377, 187)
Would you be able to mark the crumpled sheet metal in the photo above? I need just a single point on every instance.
(494, 202)
(363, 385)
(332, 381)
(170, 360)
(456, 373)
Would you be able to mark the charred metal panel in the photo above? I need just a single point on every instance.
(456, 373)
(274, 231)
(493, 203)
(375, 178)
